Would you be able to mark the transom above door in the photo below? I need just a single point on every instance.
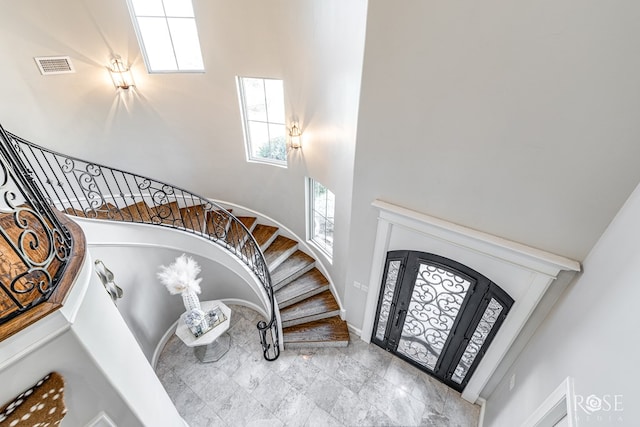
(437, 314)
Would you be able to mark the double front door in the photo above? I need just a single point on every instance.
(438, 314)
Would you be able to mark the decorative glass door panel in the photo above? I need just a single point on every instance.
(435, 302)
(393, 267)
(480, 335)
(437, 314)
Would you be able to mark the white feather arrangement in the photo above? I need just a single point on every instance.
(181, 276)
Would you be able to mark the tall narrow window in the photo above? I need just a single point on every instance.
(262, 105)
(168, 35)
(321, 215)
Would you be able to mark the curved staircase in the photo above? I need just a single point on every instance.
(294, 286)
(309, 312)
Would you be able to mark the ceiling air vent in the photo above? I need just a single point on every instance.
(54, 65)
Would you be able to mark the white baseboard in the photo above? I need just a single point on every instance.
(162, 343)
(172, 329)
(483, 404)
(247, 304)
(354, 330)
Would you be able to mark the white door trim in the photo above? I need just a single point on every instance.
(534, 270)
(559, 404)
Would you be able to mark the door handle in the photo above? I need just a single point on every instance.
(398, 316)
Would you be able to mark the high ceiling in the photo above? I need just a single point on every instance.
(516, 120)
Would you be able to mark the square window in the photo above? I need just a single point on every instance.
(262, 107)
(321, 216)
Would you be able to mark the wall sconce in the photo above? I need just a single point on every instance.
(121, 74)
(295, 136)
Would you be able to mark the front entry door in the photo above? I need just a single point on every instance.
(438, 314)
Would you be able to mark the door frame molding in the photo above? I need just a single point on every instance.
(533, 272)
(561, 402)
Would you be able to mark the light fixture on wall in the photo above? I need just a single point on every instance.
(295, 136)
(121, 74)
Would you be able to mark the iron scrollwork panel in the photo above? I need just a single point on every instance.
(85, 175)
(33, 253)
(436, 300)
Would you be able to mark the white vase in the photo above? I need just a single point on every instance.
(190, 300)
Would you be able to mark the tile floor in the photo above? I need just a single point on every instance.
(359, 385)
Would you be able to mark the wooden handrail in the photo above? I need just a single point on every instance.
(57, 298)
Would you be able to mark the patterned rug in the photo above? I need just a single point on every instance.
(40, 406)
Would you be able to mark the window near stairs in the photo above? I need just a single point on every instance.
(168, 35)
(321, 215)
(262, 106)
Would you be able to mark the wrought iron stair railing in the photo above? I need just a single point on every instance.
(35, 246)
(91, 190)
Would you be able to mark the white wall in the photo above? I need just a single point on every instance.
(185, 128)
(147, 307)
(134, 253)
(516, 119)
(88, 342)
(87, 391)
(109, 342)
(590, 335)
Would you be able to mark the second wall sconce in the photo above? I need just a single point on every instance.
(121, 74)
(295, 136)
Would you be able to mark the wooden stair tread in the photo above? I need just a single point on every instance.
(292, 268)
(169, 213)
(330, 331)
(237, 235)
(310, 283)
(248, 221)
(217, 223)
(75, 211)
(116, 214)
(281, 248)
(263, 234)
(139, 212)
(193, 217)
(106, 211)
(65, 281)
(316, 305)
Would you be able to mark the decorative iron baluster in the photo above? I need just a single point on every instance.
(36, 246)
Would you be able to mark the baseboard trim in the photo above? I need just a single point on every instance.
(354, 330)
(244, 303)
(483, 404)
(163, 341)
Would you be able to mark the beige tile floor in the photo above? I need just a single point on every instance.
(360, 385)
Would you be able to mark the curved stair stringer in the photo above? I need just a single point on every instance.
(238, 210)
(103, 232)
(311, 312)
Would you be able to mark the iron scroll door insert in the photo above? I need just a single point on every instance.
(438, 314)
